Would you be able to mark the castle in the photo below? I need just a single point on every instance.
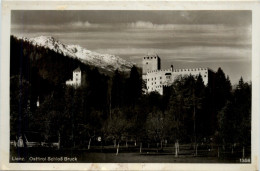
(156, 78)
(76, 80)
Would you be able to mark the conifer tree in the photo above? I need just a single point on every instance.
(134, 86)
(117, 94)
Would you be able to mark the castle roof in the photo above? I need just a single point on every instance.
(77, 70)
(152, 55)
(178, 70)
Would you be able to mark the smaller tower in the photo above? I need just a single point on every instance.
(77, 77)
(76, 80)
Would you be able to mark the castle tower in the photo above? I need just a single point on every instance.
(77, 77)
(151, 63)
(76, 80)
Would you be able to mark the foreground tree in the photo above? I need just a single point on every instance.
(186, 101)
(157, 128)
(134, 86)
(235, 117)
(117, 90)
(20, 114)
(116, 127)
(223, 89)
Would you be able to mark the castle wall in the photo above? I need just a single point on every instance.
(194, 72)
(156, 79)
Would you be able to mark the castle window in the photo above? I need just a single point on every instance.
(144, 57)
(146, 63)
(205, 75)
(154, 78)
(154, 82)
(188, 70)
(160, 77)
(151, 57)
(148, 79)
(147, 57)
(154, 57)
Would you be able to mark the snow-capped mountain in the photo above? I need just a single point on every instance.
(105, 61)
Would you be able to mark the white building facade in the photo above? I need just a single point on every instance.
(76, 79)
(156, 79)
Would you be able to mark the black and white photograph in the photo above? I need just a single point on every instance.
(130, 86)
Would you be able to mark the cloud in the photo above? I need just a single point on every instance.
(198, 53)
(65, 27)
(80, 24)
(150, 25)
(191, 28)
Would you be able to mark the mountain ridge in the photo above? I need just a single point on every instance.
(105, 61)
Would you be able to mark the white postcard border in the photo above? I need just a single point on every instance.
(7, 6)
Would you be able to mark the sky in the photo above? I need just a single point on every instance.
(184, 39)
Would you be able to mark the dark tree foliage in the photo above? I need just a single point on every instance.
(117, 91)
(134, 86)
(20, 114)
(222, 89)
(243, 95)
(116, 127)
(201, 119)
(186, 107)
(157, 127)
(235, 117)
(218, 96)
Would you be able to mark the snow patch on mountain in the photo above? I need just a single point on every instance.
(106, 61)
